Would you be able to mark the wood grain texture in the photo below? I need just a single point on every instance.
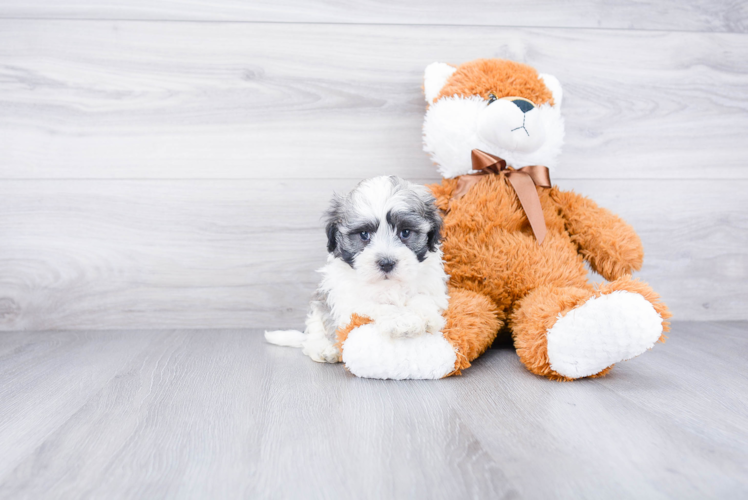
(201, 254)
(220, 414)
(106, 100)
(692, 15)
(107, 253)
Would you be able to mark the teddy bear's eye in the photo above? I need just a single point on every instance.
(492, 98)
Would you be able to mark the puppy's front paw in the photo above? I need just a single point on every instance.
(435, 323)
(402, 325)
(321, 350)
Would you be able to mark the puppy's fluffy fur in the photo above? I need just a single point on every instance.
(385, 263)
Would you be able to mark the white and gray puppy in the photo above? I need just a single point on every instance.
(384, 262)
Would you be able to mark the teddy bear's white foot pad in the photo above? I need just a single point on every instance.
(602, 331)
(369, 353)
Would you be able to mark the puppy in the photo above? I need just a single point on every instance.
(384, 263)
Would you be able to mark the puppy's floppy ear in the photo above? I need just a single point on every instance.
(433, 216)
(332, 236)
(333, 217)
(435, 234)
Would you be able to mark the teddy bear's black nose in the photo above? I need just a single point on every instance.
(523, 105)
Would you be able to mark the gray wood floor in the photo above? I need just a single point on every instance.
(221, 414)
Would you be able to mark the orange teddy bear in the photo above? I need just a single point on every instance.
(514, 245)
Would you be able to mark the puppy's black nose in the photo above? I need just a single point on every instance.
(523, 105)
(386, 264)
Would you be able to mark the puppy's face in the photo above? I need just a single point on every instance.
(384, 228)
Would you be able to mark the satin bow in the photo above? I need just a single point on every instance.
(523, 181)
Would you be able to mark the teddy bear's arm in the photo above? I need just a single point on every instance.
(342, 333)
(606, 241)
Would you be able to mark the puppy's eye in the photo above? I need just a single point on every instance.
(364, 235)
(405, 234)
(492, 98)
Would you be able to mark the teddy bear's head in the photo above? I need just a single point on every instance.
(501, 107)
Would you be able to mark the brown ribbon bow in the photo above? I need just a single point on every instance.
(523, 181)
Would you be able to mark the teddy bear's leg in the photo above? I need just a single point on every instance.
(472, 324)
(565, 333)
(369, 352)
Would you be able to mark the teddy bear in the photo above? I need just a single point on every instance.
(514, 244)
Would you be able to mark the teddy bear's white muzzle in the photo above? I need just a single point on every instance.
(504, 124)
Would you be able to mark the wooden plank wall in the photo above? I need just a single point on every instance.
(165, 163)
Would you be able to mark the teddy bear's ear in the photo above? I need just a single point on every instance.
(434, 78)
(554, 86)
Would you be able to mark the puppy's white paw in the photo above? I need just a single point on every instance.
(321, 350)
(426, 307)
(435, 323)
(402, 325)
